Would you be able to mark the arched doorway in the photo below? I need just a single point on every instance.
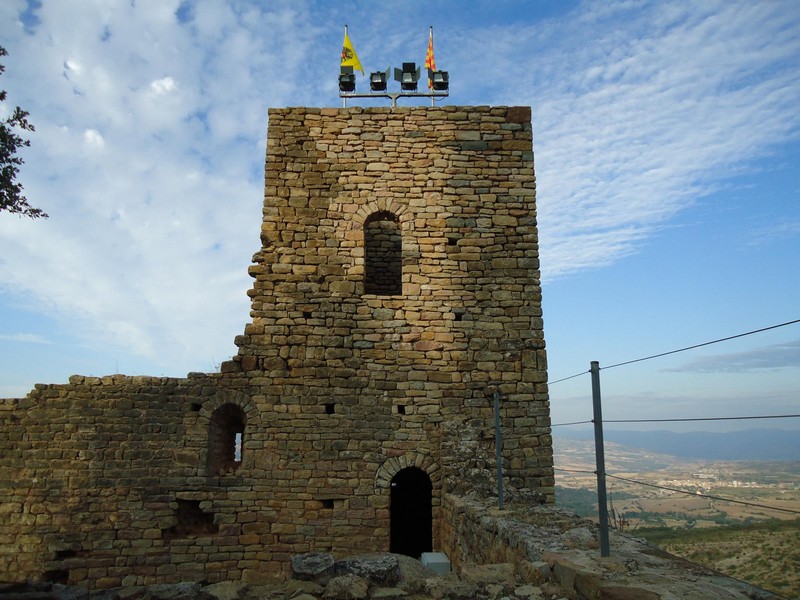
(411, 512)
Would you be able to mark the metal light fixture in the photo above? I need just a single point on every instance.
(347, 80)
(408, 76)
(441, 81)
(377, 80)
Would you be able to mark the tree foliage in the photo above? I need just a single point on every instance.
(11, 198)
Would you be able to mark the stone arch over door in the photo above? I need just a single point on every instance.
(412, 485)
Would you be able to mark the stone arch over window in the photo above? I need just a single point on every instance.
(212, 415)
(226, 433)
(383, 254)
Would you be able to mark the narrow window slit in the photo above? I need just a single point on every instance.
(383, 255)
(226, 439)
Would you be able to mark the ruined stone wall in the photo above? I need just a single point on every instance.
(334, 391)
(103, 483)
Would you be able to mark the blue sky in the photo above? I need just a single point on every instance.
(667, 148)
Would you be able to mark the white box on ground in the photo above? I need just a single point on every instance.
(436, 561)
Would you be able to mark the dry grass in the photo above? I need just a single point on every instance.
(766, 554)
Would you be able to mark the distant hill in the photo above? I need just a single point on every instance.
(749, 444)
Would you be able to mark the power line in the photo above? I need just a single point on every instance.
(575, 471)
(699, 495)
(573, 423)
(566, 378)
(683, 420)
(693, 419)
(725, 339)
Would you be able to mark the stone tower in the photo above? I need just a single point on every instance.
(396, 292)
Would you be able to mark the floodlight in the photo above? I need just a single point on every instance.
(440, 81)
(377, 80)
(347, 80)
(408, 76)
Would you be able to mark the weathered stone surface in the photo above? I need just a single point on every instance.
(346, 587)
(381, 570)
(413, 574)
(295, 588)
(227, 590)
(178, 591)
(484, 574)
(451, 588)
(626, 593)
(528, 592)
(581, 537)
(533, 571)
(383, 593)
(314, 566)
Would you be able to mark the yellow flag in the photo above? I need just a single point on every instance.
(349, 56)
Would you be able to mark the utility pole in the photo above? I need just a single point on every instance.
(498, 444)
(600, 458)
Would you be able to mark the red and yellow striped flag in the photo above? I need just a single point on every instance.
(430, 62)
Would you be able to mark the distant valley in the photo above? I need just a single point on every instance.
(749, 444)
(747, 538)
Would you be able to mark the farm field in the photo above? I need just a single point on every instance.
(727, 522)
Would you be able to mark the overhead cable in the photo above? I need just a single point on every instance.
(725, 339)
(700, 495)
(572, 423)
(696, 419)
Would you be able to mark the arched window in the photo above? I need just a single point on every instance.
(225, 439)
(383, 255)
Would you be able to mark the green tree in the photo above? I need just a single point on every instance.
(11, 198)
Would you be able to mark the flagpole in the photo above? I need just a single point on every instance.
(430, 37)
(344, 100)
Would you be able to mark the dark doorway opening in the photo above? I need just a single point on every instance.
(411, 527)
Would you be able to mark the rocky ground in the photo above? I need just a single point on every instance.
(556, 558)
(319, 577)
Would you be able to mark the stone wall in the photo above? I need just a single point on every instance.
(294, 445)
(544, 545)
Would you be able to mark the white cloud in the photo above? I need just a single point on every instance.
(775, 356)
(25, 338)
(637, 122)
(163, 86)
(94, 138)
(152, 236)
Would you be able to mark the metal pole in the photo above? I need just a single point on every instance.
(498, 444)
(600, 458)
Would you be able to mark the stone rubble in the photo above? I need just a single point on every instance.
(634, 571)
